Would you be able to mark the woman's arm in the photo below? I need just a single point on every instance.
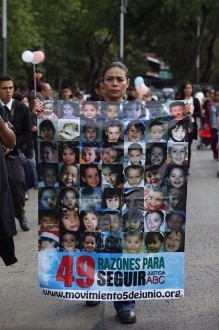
(7, 136)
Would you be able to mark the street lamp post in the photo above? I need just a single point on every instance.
(124, 4)
(198, 55)
(4, 37)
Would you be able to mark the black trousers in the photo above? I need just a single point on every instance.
(7, 252)
(190, 147)
(18, 197)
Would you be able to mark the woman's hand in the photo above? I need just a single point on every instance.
(38, 106)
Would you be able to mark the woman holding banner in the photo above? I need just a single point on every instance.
(116, 82)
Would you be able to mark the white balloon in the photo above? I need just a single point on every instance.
(27, 56)
(138, 81)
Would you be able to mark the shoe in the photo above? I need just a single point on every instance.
(24, 224)
(127, 317)
(90, 303)
(26, 196)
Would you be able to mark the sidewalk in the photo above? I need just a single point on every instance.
(23, 307)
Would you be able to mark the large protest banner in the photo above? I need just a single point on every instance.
(112, 185)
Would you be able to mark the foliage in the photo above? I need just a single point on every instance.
(79, 37)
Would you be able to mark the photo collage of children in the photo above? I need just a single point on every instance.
(112, 176)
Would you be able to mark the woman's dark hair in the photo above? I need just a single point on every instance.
(181, 94)
(116, 64)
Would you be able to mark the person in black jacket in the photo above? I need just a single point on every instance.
(19, 118)
(186, 95)
(7, 222)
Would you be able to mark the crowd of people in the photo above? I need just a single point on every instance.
(20, 134)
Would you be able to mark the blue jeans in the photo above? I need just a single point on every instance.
(124, 305)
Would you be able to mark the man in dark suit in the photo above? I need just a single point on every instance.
(19, 117)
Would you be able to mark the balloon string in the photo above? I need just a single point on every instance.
(34, 80)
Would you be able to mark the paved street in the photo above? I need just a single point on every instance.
(23, 307)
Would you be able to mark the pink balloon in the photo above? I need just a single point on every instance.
(38, 56)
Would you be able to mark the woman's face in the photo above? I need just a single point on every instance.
(173, 241)
(115, 84)
(188, 90)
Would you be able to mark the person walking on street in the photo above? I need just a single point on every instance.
(19, 117)
(115, 83)
(7, 222)
(210, 119)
